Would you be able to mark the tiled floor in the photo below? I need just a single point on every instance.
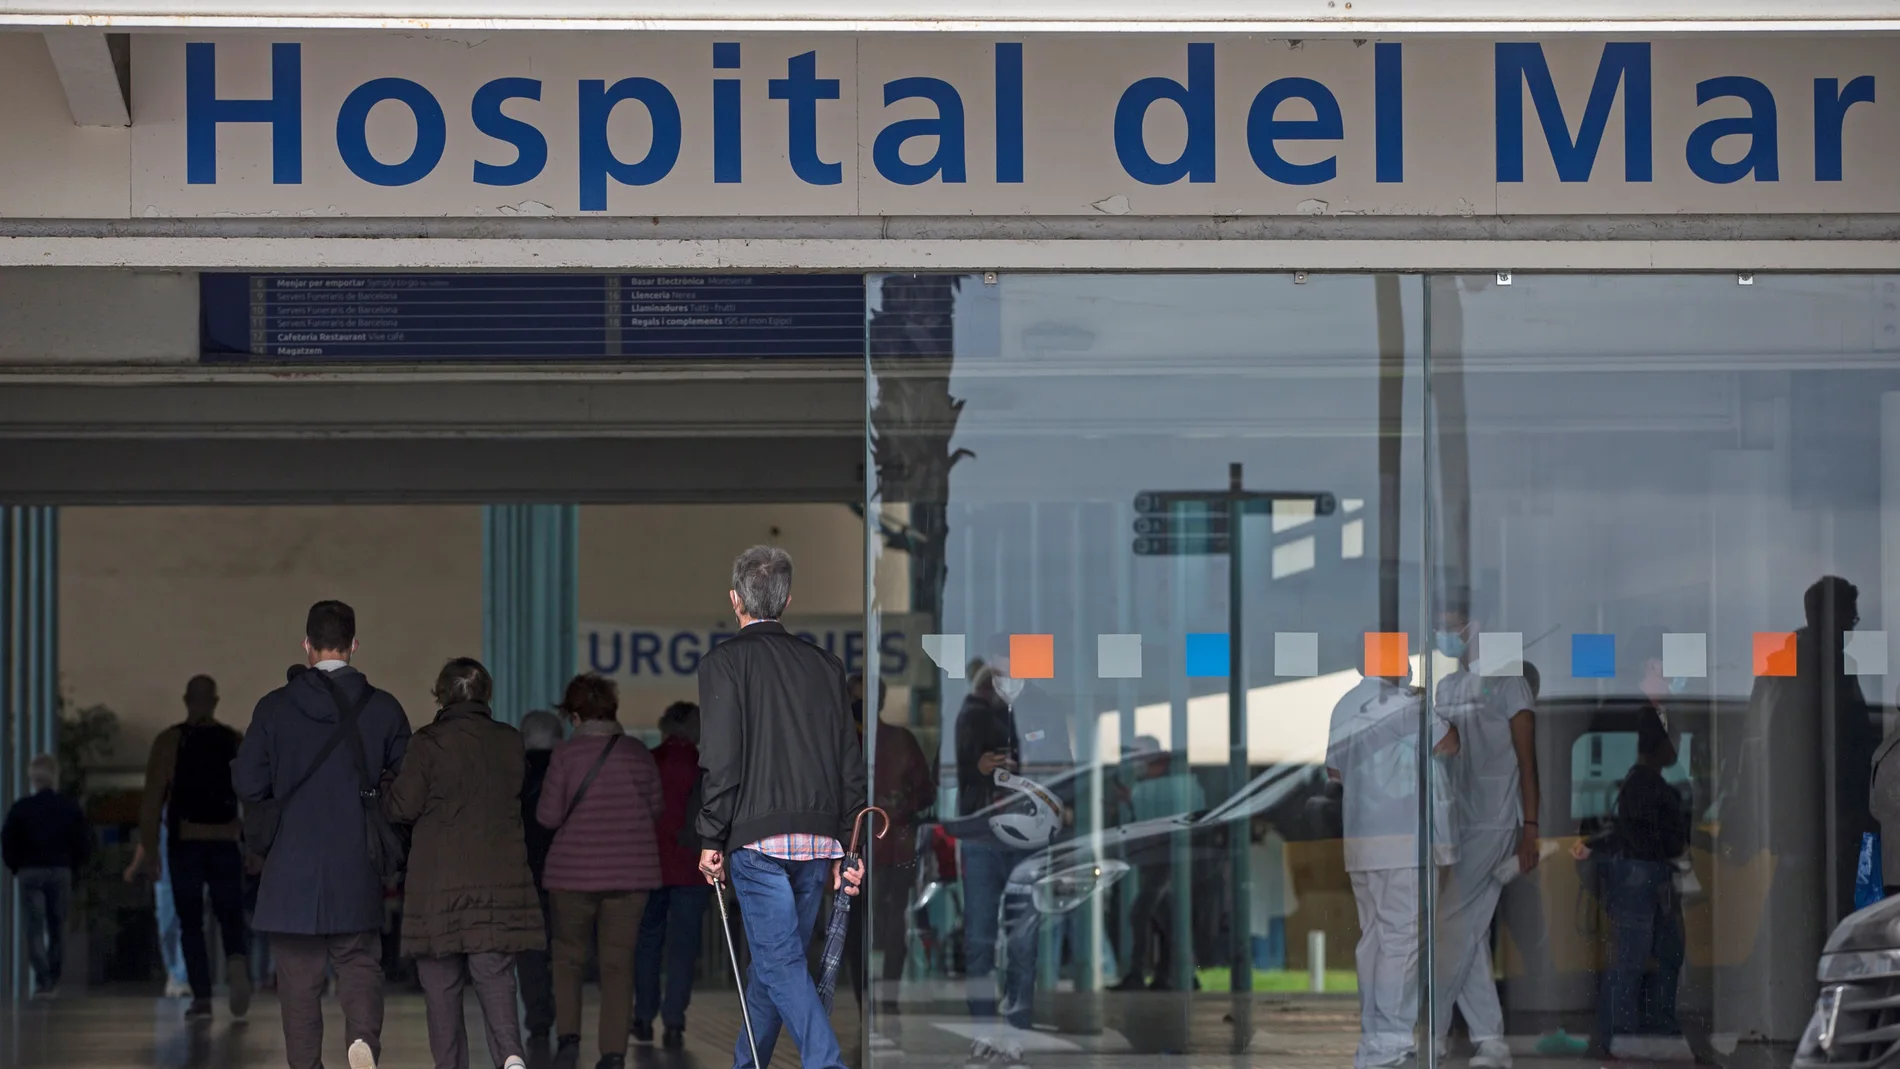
(1133, 1032)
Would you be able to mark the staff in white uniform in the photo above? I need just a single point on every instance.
(1372, 752)
(1493, 787)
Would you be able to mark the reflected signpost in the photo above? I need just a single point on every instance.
(1185, 523)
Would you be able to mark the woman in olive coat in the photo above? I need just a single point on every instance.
(469, 904)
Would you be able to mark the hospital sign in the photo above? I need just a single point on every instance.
(675, 123)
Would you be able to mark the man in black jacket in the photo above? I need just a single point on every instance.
(784, 777)
(43, 843)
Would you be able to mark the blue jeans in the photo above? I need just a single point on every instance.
(1269, 950)
(990, 906)
(779, 903)
(669, 944)
(1646, 922)
(171, 935)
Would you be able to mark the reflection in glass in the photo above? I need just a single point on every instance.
(1122, 858)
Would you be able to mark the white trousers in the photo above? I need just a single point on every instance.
(1388, 964)
(1463, 959)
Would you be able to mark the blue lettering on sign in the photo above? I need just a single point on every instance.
(644, 649)
(283, 110)
(1196, 101)
(1763, 159)
(352, 132)
(1521, 70)
(895, 660)
(676, 654)
(947, 129)
(594, 661)
(531, 145)
(1521, 66)
(682, 654)
(597, 160)
(728, 161)
(801, 89)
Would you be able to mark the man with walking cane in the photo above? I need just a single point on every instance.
(784, 778)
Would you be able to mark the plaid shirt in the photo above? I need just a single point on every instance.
(800, 847)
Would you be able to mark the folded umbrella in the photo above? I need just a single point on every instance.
(841, 911)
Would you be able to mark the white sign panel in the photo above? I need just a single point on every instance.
(653, 124)
(645, 656)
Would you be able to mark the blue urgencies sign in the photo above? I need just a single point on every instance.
(668, 656)
(543, 316)
(690, 124)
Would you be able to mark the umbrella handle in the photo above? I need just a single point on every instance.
(857, 827)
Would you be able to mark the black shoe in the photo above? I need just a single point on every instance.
(199, 1010)
(1131, 982)
(675, 1039)
(611, 1061)
(642, 1031)
(567, 1054)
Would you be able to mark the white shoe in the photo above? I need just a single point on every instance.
(1492, 1054)
(514, 1062)
(360, 1057)
(177, 989)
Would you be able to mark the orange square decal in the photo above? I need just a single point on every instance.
(1388, 654)
(1032, 656)
(1774, 653)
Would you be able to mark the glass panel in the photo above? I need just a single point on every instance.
(1055, 462)
(1639, 486)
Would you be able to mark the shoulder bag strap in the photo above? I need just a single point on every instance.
(368, 785)
(330, 744)
(588, 780)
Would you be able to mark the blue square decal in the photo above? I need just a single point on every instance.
(1593, 656)
(1207, 654)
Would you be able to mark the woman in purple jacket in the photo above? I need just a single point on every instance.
(600, 798)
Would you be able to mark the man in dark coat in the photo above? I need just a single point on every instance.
(321, 898)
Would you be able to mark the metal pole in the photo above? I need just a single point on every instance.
(1240, 927)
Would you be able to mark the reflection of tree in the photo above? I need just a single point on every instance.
(913, 421)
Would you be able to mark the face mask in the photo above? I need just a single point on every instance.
(857, 711)
(1678, 684)
(1451, 644)
(1009, 688)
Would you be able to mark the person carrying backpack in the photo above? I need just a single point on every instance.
(188, 788)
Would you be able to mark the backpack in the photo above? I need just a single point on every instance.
(201, 790)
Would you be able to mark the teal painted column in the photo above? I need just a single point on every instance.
(29, 688)
(530, 603)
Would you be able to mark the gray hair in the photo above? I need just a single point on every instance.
(540, 730)
(43, 772)
(762, 577)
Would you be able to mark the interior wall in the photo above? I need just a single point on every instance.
(150, 596)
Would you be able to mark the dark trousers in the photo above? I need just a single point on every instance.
(668, 950)
(46, 897)
(443, 980)
(217, 867)
(1646, 923)
(576, 914)
(535, 974)
(302, 964)
(1151, 924)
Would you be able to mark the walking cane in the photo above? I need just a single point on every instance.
(745, 1012)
